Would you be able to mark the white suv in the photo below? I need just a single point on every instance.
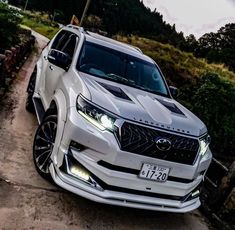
(110, 130)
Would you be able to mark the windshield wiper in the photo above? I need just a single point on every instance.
(131, 83)
(149, 90)
(119, 78)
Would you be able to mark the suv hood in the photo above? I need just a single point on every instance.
(141, 106)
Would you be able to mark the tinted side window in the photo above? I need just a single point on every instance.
(58, 40)
(65, 42)
(70, 44)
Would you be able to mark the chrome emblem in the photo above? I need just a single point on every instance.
(163, 144)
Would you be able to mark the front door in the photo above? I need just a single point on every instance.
(66, 43)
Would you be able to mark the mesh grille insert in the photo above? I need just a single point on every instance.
(142, 141)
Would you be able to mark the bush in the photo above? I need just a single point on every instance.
(9, 21)
(213, 100)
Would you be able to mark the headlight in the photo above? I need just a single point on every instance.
(98, 117)
(204, 144)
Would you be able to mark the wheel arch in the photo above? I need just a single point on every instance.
(58, 106)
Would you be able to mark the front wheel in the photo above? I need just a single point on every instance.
(43, 145)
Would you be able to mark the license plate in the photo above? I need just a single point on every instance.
(154, 172)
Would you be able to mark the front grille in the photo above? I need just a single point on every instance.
(142, 141)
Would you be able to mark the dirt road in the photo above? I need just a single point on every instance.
(29, 202)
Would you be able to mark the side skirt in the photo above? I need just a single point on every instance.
(40, 111)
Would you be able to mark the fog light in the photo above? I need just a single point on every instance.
(193, 194)
(80, 173)
(196, 193)
(77, 146)
(75, 169)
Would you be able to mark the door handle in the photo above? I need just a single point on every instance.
(51, 68)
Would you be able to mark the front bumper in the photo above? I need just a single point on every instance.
(119, 198)
(102, 146)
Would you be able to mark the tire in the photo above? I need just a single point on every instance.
(43, 145)
(30, 90)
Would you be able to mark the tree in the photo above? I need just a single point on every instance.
(118, 16)
(218, 47)
(191, 43)
(213, 100)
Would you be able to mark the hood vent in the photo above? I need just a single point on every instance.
(171, 106)
(115, 91)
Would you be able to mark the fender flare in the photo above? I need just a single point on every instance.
(60, 101)
(61, 104)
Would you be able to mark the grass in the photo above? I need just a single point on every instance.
(46, 29)
(176, 65)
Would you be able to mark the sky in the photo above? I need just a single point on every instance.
(195, 16)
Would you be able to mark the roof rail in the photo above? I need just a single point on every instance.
(105, 38)
(137, 48)
(81, 29)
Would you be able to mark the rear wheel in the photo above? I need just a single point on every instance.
(43, 145)
(30, 90)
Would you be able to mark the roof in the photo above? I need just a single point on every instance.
(111, 43)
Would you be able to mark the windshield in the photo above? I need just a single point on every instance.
(107, 63)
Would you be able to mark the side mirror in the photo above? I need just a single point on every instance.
(59, 59)
(174, 91)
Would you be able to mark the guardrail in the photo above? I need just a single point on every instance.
(11, 60)
(218, 194)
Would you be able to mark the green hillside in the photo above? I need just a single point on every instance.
(178, 67)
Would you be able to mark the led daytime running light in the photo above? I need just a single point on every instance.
(98, 117)
(204, 144)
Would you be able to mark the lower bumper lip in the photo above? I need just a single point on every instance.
(86, 177)
(120, 199)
